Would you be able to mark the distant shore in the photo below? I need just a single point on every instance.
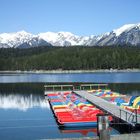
(71, 71)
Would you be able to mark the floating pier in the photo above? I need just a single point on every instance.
(71, 110)
(72, 114)
(129, 117)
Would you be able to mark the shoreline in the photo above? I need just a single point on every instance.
(68, 71)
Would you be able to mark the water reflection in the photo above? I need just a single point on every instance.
(85, 131)
(24, 114)
(82, 131)
(22, 102)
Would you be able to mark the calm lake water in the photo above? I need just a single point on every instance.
(97, 77)
(25, 114)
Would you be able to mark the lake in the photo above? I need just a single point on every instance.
(25, 114)
(97, 77)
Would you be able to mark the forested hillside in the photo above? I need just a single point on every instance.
(70, 58)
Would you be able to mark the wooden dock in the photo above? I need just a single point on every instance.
(116, 111)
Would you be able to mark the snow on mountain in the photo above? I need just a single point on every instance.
(15, 39)
(127, 34)
(123, 29)
(60, 38)
(19, 39)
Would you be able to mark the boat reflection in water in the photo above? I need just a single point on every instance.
(22, 102)
(82, 131)
(86, 131)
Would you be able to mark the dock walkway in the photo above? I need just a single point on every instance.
(126, 116)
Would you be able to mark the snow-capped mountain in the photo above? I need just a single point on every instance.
(65, 38)
(21, 39)
(127, 34)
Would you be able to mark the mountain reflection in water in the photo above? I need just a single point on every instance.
(22, 102)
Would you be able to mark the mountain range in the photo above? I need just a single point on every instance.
(128, 34)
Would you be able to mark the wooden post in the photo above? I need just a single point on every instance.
(120, 113)
(61, 87)
(103, 125)
(136, 115)
(73, 88)
(90, 87)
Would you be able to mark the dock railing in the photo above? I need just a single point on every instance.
(83, 86)
(131, 117)
(74, 87)
(58, 87)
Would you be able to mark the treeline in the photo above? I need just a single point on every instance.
(70, 58)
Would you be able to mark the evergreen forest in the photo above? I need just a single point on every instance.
(70, 58)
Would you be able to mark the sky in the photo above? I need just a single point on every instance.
(80, 17)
